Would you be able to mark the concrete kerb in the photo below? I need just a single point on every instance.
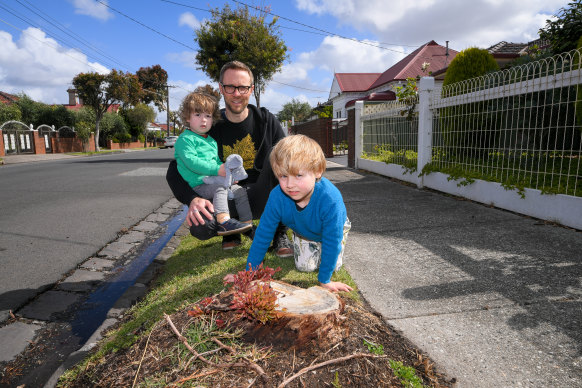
(87, 277)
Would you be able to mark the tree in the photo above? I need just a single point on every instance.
(9, 112)
(100, 92)
(138, 118)
(238, 35)
(154, 81)
(30, 110)
(564, 32)
(301, 111)
(470, 63)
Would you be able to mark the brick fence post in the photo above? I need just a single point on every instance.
(2, 152)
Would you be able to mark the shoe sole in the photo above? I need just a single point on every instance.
(283, 255)
(235, 231)
(228, 248)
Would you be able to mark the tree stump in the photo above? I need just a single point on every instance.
(309, 316)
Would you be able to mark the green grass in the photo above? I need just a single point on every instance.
(195, 271)
(549, 172)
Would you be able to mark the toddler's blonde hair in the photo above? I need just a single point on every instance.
(295, 153)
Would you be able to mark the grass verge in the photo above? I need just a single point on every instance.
(195, 271)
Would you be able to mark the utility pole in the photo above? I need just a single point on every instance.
(168, 109)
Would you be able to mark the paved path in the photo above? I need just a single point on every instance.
(493, 297)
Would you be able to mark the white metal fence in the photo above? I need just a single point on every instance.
(519, 129)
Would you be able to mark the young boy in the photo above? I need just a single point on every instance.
(196, 154)
(308, 204)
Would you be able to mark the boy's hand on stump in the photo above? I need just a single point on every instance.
(336, 286)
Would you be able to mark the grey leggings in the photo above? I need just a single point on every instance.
(219, 196)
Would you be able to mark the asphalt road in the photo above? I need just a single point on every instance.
(54, 215)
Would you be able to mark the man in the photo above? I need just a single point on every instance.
(240, 122)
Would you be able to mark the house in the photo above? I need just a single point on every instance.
(76, 103)
(348, 87)
(7, 98)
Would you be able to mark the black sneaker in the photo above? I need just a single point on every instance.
(232, 226)
(281, 244)
(251, 233)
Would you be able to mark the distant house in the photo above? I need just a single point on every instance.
(76, 103)
(348, 87)
(7, 98)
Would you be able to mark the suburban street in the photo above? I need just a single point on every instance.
(56, 214)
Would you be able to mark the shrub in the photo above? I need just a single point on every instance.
(470, 63)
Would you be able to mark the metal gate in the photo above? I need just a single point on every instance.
(18, 138)
(46, 133)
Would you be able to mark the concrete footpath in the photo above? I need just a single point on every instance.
(494, 298)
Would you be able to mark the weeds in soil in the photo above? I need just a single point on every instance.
(406, 374)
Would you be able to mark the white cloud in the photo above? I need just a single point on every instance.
(188, 19)
(479, 23)
(40, 67)
(93, 9)
(185, 58)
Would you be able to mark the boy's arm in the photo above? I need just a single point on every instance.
(266, 230)
(333, 232)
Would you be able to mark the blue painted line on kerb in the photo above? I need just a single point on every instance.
(94, 310)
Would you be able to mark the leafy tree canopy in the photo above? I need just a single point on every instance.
(154, 82)
(301, 111)
(237, 35)
(470, 63)
(563, 32)
(101, 91)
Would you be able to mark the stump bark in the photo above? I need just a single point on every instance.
(305, 316)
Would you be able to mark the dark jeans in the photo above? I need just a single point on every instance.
(257, 192)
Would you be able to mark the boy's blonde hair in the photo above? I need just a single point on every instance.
(295, 153)
(204, 99)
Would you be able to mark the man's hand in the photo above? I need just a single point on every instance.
(198, 209)
(336, 286)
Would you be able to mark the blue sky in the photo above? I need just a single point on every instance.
(45, 43)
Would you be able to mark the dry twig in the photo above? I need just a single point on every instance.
(328, 362)
(142, 356)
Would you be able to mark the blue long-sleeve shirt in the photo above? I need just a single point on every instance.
(322, 220)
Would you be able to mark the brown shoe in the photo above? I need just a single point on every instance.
(231, 242)
(281, 244)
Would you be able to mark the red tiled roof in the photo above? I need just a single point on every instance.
(8, 98)
(355, 82)
(411, 66)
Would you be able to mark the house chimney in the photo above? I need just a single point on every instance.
(72, 96)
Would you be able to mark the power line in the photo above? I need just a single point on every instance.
(146, 26)
(318, 29)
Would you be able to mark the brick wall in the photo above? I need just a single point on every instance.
(318, 130)
(123, 146)
(69, 144)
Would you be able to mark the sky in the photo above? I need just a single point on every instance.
(44, 44)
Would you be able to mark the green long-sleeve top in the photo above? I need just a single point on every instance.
(196, 156)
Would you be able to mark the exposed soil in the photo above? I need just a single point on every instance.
(159, 358)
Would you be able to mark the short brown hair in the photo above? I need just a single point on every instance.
(297, 152)
(237, 65)
(204, 99)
